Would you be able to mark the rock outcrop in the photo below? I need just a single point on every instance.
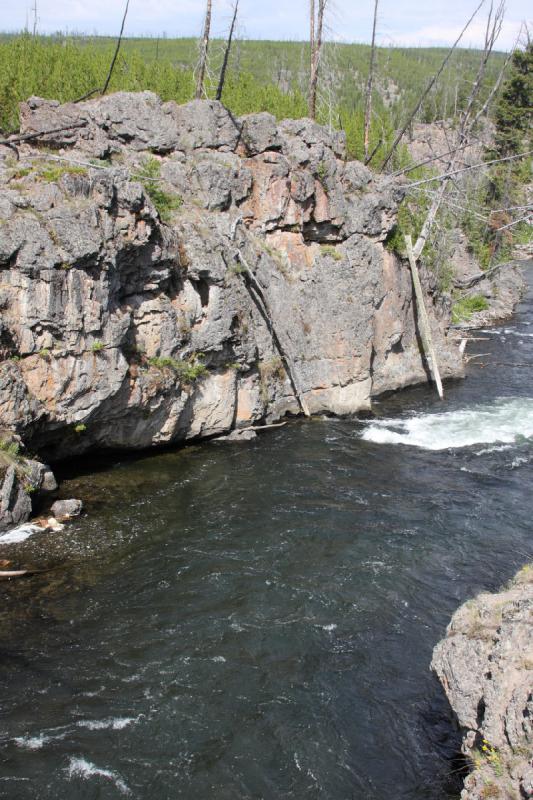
(172, 272)
(485, 665)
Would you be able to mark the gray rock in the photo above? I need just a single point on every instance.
(66, 508)
(245, 435)
(109, 313)
(484, 665)
(259, 133)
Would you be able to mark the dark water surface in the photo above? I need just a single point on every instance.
(257, 621)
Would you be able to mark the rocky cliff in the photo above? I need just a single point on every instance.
(485, 665)
(172, 272)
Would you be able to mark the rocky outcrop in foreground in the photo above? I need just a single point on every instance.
(485, 665)
(172, 273)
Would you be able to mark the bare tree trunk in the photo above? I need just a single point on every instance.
(368, 106)
(204, 47)
(311, 31)
(315, 53)
(423, 319)
(227, 52)
(117, 48)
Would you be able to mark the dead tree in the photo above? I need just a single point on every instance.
(204, 47)
(227, 52)
(317, 27)
(430, 85)
(369, 85)
(117, 48)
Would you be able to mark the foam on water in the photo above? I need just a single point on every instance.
(80, 768)
(113, 724)
(503, 421)
(20, 534)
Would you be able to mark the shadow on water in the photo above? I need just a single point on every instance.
(257, 621)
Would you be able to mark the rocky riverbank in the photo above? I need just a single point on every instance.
(485, 665)
(172, 273)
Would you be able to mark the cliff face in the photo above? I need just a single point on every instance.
(485, 666)
(269, 281)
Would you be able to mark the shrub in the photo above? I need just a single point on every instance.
(329, 251)
(463, 308)
(97, 347)
(149, 175)
(187, 371)
(80, 428)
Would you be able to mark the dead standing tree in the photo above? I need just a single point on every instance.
(316, 32)
(494, 24)
(430, 85)
(369, 85)
(204, 47)
(224, 68)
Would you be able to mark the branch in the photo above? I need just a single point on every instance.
(426, 91)
(472, 166)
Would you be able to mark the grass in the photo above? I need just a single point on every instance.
(187, 371)
(463, 308)
(149, 175)
(329, 251)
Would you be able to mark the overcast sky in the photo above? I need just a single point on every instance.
(401, 22)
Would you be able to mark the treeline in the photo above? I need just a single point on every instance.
(269, 76)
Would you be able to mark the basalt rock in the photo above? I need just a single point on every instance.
(485, 665)
(126, 324)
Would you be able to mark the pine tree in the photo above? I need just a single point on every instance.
(514, 110)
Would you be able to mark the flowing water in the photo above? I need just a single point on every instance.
(257, 621)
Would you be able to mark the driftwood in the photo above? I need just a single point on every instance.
(423, 319)
(25, 137)
(482, 276)
(13, 573)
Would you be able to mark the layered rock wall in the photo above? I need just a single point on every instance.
(267, 277)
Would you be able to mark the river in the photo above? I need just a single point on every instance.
(239, 621)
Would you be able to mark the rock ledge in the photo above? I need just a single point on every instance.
(485, 665)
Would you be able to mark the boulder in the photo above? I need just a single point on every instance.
(484, 665)
(63, 509)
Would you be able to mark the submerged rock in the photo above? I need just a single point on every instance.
(485, 665)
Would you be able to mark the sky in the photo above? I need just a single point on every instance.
(401, 22)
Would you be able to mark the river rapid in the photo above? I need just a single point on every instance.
(245, 621)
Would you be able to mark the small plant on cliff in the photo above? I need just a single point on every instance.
(270, 370)
(51, 174)
(187, 371)
(329, 251)
(149, 175)
(44, 353)
(322, 171)
(9, 453)
(463, 308)
(80, 428)
(97, 347)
